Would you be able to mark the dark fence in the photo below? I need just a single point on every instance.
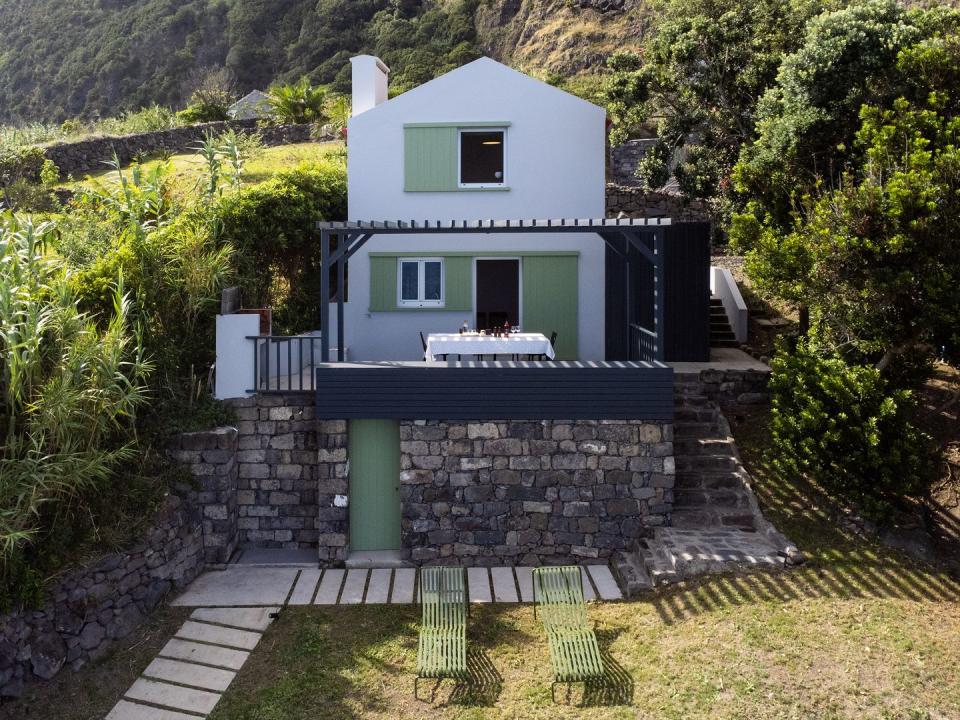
(284, 363)
(496, 390)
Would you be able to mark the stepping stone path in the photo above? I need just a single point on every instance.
(186, 680)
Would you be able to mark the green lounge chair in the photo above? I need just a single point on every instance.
(574, 652)
(442, 649)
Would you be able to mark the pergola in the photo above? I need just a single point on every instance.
(645, 234)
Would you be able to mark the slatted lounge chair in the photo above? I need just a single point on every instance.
(442, 649)
(574, 652)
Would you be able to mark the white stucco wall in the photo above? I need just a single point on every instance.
(555, 168)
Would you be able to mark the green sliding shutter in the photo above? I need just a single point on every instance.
(458, 285)
(550, 301)
(429, 159)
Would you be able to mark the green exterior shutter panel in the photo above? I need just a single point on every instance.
(383, 284)
(458, 275)
(550, 300)
(430, 159)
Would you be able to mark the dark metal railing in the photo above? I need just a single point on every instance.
(643, 343)
(284, 363)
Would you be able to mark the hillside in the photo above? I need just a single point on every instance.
(87, 58)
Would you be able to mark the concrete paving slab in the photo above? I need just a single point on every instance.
(277, 556)
(525, 581)
(305, 588)
(244, 618)
(353, 587)
(173, 696)
(184, 673)
(206, 654)
(607, 587)
(479, 581)
(379, 589)
(228, 637)
(126, 710)
(239, 586)
(403, 582)
(329, 588)
(588, 592)
(504, 587)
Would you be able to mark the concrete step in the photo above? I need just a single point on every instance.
(713, 499)
(706, 463)
(694, 430)
(702, 518)
(707, 480)
(694, 415)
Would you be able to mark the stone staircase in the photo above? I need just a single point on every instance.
(721, 334)
(716, 524)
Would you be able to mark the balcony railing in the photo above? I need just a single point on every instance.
(284, 363)
(643, 343)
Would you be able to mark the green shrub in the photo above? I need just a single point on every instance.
(298, 102)
(277, 252)
(844, 427)
(26, 163)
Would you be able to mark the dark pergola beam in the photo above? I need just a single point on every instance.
(351, 236)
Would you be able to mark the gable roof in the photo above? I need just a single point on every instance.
(482, 67)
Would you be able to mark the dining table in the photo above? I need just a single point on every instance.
(473, 344)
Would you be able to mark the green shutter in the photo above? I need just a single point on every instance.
(458, 284)
(458, 273)
(430, 159)
(550, 300)
(383, 284)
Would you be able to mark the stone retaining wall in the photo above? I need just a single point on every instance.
(278, 469)
(85, 156)
(637, 202)
(94, 605)
(727, 388)
(493, 492)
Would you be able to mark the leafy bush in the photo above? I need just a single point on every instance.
(843, 426)
(25, 177)
(299, 102)
(277, 253)
(71, 392)
(210, 100)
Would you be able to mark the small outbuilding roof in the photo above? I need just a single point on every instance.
(252, 106)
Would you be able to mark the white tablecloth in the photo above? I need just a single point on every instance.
(514, 344)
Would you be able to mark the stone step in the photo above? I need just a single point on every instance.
(724, 344)
(709, 481)
(692, 414)
(712, 498)
(704, 518)
(695, 430)
(703, 446)
(705, 463)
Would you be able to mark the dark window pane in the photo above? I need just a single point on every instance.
(431, 281)
(409, 281)
(481, 157)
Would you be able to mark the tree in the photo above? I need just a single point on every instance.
(877, 258)
(699, 77)
(297, 103)
(806, 122)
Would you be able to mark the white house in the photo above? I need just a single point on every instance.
(482, 141)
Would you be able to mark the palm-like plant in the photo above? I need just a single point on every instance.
(298, 102)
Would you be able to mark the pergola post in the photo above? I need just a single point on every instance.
(324, 296)
(659, 294)
(341, 273)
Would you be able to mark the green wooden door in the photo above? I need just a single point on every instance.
(550, 300)
(374, 484)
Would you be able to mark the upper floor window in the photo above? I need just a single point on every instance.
(420, 282)
(482, 156)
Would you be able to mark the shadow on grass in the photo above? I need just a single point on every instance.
(481, 688)
(840, 564)
(616, 687)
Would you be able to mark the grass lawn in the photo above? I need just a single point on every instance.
(187, 167)
(857, 632)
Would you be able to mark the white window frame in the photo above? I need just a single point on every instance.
(421, 283)
(475, 130)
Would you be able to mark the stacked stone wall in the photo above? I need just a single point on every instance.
(634, 201)
(727, 388)
(92, 606)
(494, 492)
(89, 155)
(278, 469)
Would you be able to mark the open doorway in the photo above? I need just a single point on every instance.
(498, 293)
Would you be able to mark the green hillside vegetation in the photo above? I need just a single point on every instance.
(63, 60)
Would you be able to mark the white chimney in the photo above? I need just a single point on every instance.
(369, 82)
